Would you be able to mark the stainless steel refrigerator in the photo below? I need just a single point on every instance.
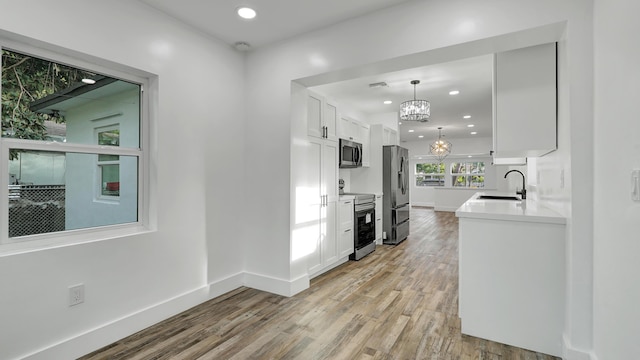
(395, 187)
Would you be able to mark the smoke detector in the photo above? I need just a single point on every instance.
(242, 46)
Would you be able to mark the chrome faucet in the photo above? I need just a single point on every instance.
(522, 193)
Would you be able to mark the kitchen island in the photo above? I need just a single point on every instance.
(511, 268)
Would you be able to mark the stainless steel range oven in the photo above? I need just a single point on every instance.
(364, 223)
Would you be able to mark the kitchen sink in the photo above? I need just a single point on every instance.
(499, 197)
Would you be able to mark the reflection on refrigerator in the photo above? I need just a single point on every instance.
(395, 187)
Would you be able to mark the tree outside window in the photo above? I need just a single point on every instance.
(430, 174)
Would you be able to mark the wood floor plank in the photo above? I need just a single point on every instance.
(399, 302)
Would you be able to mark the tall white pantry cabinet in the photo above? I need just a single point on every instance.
(322, 179)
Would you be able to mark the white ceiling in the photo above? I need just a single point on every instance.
(276, 19)
(472, 77)
(281, 19)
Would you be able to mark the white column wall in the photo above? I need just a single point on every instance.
(338, 52)
(616, 240)
(197, 156)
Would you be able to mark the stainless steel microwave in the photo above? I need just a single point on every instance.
(350, 154)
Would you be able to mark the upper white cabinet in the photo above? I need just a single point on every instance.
(322, 117)
(364, 136)
(358, 131)
(389, 136)
(349, 128)
(331, 119)
(524, 102)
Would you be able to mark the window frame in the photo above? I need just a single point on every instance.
(467, 174)
(148, 103)
(99, 195)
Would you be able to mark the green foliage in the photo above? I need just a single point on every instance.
(24, 80)
(430, 168)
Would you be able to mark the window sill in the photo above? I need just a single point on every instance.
(33, 243)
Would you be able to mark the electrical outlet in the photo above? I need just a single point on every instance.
(76, 294)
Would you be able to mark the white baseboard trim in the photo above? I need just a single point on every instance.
(115, 330)
(225, 285)
(134, 322)
(570, 353)
(276, 285)
(425, 204)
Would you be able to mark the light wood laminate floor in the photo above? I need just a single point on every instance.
(400, 302)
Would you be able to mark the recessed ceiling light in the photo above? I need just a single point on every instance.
(399, 123)
(469, 156)
(411, 130)
(88, 81)
(420, 136)
(474, 132)
(470, 125)
(454, 92)
(467, 116)
(246, 12)
(387, 102)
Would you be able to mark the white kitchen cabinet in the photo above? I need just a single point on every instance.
(524, 102)
(331, 119)
(511, 273)
(322, 117)
(345, 228)
(358, 131)
(379, 219)
(364, 137)
(389, 136)
(322, 193)
(349, 129)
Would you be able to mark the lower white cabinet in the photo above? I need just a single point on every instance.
(512, 282)
(379, 219)
(345, 229)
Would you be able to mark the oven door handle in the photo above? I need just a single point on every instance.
(364, 207)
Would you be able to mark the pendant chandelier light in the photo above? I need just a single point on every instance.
(440, 148)
(415, 110)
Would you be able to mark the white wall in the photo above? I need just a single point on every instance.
(389, 119)
(360, 47)
(616, 240)
(197, 206)
(200, 239)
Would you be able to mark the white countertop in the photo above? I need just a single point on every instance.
(346, 197)
(510, 210)
(460, 188)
